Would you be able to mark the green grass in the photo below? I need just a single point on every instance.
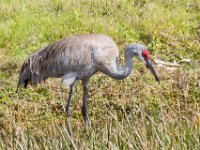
(136, 113)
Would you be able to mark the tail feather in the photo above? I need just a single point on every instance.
(24, 76)
(27, 76)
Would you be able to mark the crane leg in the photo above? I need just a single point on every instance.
(84, 107)
(68, 105)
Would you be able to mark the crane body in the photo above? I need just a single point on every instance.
(78, 58)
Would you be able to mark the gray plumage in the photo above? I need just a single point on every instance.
(78, 58)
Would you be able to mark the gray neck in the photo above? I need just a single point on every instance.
(121, 72)
(125, 71)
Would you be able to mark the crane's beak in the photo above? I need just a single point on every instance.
(150, 66)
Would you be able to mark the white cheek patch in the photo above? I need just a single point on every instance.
(68, 79)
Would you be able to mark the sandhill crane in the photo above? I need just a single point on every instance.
(78, 58)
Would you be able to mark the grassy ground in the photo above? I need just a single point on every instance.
(136, 113)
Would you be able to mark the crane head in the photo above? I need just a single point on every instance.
(147, 62)
(142, 53)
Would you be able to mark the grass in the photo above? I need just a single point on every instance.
(136, 113)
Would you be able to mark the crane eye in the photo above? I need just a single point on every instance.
(145, 54)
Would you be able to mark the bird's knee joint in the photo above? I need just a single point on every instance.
(71, 87)
(84, 111)
(68, 115)
(85, 88)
